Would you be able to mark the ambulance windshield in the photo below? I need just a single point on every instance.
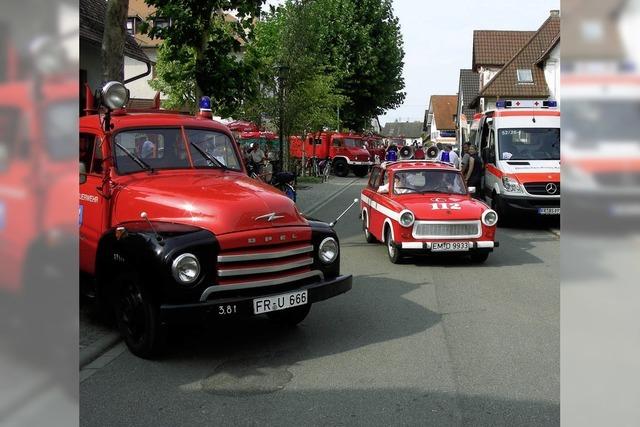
(529, 144)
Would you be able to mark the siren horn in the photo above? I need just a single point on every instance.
(406, 153)
(432, 152)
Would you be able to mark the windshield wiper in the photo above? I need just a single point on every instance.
(434, 191)
(207, 156)
(135, 158)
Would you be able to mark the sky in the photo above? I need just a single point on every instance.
(438, 37)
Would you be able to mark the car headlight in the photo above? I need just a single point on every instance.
(186, 268)
(489, 217)
(328, 250)
(407, 218)
(511, 184)
(115, 95)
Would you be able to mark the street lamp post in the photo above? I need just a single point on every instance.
(281, 80)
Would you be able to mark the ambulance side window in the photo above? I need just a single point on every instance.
(489, 155)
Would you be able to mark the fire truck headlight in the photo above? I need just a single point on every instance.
(115, 95)
(407, 218)
(489, 217)
(328, 250)
(185, 268)
(511, 184)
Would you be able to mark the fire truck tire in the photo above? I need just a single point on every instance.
(137, 316)
(290, 316)
(340, 168)
(479, 258)
(367, 234)
(360, 171)
(394, 252)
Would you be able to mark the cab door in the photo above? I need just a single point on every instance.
(92, 204)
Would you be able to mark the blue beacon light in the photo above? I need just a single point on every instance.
(205, 103)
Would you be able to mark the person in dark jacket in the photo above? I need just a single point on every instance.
(473, 177)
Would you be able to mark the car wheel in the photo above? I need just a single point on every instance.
(290, 316)
(137, 316)
(360, 171)
(340, 168)
(479, 257)
(367, 234)
(392, 250)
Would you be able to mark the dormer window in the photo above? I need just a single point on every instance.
(131, 26)
(161, 22)
(525, 75)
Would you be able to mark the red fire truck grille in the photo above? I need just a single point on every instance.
(265, 266)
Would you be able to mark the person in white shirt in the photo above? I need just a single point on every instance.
(449, 156)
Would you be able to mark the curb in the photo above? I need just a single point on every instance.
(555, 232)
(329, 198)
(95, 350)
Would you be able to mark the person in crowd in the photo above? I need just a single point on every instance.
(257, 157)
(464, 162)
(148, 148)
(449, 156)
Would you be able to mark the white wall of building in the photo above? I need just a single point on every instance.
(140, 88)
(552, 73)
(486, 74)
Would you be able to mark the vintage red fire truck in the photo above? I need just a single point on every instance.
(423, 207)
(172, 229)
(346, 151)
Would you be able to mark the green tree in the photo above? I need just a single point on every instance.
(201, 52)
(113, 40)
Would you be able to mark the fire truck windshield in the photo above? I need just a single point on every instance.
(529, 144)
(58, 134)
(592, 122)
(354, 143)
(165, 148)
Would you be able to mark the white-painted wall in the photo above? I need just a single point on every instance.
(552, 73)
(486, 74)
(140, 88)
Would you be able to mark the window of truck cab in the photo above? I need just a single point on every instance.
(173, 148)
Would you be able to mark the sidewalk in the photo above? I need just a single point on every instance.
(96, 338)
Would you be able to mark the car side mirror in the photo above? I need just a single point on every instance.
(383, 189)
(471, 190)
(83, 173)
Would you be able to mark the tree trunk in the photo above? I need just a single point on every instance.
(113, 40)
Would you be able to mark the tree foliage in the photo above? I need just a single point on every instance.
(201, 51)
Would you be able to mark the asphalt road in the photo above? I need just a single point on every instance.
(431, 342)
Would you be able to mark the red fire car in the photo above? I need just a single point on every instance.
(424, 207)
(172, 229)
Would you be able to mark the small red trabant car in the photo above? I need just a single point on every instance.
(424, 207)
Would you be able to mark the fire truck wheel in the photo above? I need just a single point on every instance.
(137, 316)
(394, 252)
(367, 235)
(360, 171)
(480, 257)
(341, 168)
(290, 316)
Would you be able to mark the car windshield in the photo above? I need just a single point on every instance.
(428, 181)
(61, 130)
(529, 144)
(165, 148)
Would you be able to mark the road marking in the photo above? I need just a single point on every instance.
(330, 198)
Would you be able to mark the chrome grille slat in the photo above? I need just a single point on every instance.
(264, 269)
(257, 256)
(446, 229)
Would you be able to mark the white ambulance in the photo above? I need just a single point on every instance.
(519, 143)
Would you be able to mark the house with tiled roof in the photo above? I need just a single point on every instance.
(409, 131)
(533, 72)
(468, 87)
(439, 123)
(92, 17)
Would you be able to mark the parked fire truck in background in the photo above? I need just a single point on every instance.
(601, 147)
(376, 147)
(519, 143)
(346, 151)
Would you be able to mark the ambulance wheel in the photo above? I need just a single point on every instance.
(367, 234)
(496, 205)
(137, 316)
(394, 252)
(341, 168)
(290, 316)
(479, 258)
(360, 171)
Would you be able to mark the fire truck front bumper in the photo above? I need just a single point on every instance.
(250, 302)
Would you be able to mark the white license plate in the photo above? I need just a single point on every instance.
(279, 302)
(549, 211)
(449, 246)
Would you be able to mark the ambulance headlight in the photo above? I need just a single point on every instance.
(328, 250)
(185, 269)
(407, 218)
(115, 95)
(489, 217)
(511, 184)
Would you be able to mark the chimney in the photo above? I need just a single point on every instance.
(554, 13)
